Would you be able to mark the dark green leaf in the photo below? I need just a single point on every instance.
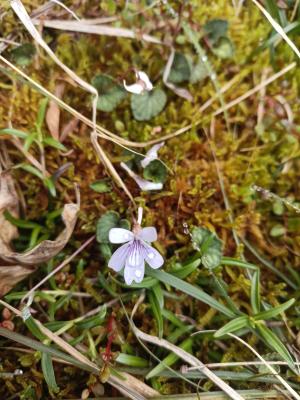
(156, 310)
(274, 342)
(155, 171)
(215, 29)
(110, 92)
(273, 312)
(147, 105)
(108, 221)
(186, 270)
(180, 70)
(198, 72)
(23, 55)
(223, 48)
(48, 372)
(191, 290)
(210, 247)
(132, 361)
(106, 251)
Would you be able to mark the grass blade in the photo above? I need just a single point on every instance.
(48, 371)
(189, 289)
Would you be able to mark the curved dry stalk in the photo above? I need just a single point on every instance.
(126, 384)
(266, 363)
(184, 355)
(278, 28)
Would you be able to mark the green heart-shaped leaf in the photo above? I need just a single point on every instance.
(23, 55)
(155, 171)
(210, 247)
(147, 105)
(215, 29)
(180, 70)
(224, 48)
(110, 92)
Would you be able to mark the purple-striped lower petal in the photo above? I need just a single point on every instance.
(135, 274)
(118, 259)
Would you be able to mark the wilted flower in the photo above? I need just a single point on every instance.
(135, 251)
(142, 84)
(151, 155)
(141, 182)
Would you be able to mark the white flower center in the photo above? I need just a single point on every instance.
(151, 255)
(138, 273)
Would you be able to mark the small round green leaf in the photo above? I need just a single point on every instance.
(105, 223)
(101, 186)
(110, 92)
(23, 55)
(224, 48)
(215, 29)
(155, 171)
(180, 70)
(147, 105)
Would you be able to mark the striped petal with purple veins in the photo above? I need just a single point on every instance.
(118, 259)
(134, 273)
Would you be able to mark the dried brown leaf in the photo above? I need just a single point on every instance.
(47, 249)
(10, 275)
(53, 112)
(24, 264)
(8, 201)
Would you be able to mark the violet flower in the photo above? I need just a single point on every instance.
(135, 251)
(142, 84)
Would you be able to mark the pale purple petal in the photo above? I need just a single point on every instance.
(135, 88)
(151, 155)
(118, 259)
(144, 77)
(148, 234)
(134, 273)
(120, 235)
(152, 257)
(142, 183)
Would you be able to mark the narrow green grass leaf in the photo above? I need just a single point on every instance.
(255, 292)
(232, 326)
(186, 270)
(189, 289)
(132, 361)
(274, 311)
(238, 263)
(35, 345)
(273, 341)
(50, 141)
(156, 310)
(48, 371)
(170, 359)
(13, 132)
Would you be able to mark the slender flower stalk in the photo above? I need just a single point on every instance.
(135, 252)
